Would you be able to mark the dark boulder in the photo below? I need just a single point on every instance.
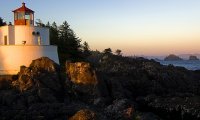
(84, 83)
(121, 109)
(40, 80)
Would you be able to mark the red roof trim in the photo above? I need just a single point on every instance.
(23, 8)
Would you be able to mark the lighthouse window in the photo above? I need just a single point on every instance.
(27, 16)
(15, 16)
(38, 33)
(20, 15)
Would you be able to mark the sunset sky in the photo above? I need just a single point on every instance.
(137, 27)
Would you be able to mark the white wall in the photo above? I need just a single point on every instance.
(24, 33)
(11, 35)
(3, 32)
(13, 56)
(18, 33)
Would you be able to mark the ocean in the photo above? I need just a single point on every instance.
(188, 64)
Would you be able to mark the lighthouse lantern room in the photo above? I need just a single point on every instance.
(23, 16)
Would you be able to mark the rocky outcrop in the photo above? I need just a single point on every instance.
(81, 73)
(114, 88)
(35, 93)
(172, 57)
(130, 78)
(42, 77)
(42, 73)
(182, 106)
(82, 80)
(192, 57)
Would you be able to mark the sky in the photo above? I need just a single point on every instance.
(137, 27)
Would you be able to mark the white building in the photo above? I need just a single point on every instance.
(23, 42)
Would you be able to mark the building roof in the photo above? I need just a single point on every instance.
(23, 8)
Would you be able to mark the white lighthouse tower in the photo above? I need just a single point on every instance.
(23, 42)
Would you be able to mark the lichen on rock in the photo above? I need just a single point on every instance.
(84, 114)
(81, 73)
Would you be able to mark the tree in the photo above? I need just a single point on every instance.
(69, 45)
(107, 51)
(118, 52)
(86, 49)
(54, 39)
(48, 25)
(2, 23)
(39, 23)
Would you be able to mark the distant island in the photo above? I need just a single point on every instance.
(192, 57)
(172, 57)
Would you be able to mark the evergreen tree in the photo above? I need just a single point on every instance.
(118, 52)
(54, 39)
(69, 45)
(86, 50)
(48, 24)
(107, 51)
(2, 23)
(39, 23)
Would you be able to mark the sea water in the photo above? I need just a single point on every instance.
(188, 64)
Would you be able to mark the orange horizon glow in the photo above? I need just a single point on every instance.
(154, 47)
(142, 41)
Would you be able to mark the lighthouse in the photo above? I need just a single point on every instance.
(23, 42)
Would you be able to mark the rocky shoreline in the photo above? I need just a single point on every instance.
(106, 87)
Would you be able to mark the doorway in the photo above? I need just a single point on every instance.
(5, 40)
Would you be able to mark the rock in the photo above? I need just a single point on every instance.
(46, 95)
(121, 109)
(42, 79)
(25, 80)
(81, 73)
(42, 72)
(84, 114)
(83, 82)
(8, 97)
(172, 57)
(46, 111)
(149, 116)
(106, 91)
(45, 64)
(192, 57)
(5, 82)
(32, 99)
(181, 106)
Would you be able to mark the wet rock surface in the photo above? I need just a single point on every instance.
(108, 88)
